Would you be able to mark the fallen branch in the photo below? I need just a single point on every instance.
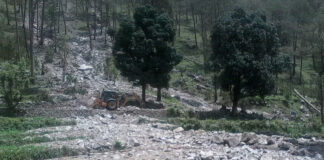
(305, 100)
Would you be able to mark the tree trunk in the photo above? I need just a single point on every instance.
(101, 17)
(144, 93)
(215, 93)
(159, 94)
(76, 8)
(321, 96)
(24, 26)
(88, 25)
(63, 15)
(95, 20)
(194, 21)
(58, 17)
(17, 33)
(42, 24)
(31, 36)
(7, 13)
(37, 25)
(301, 70)
(236, 97)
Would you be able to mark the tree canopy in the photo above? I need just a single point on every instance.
(142, 48)
(245, 51)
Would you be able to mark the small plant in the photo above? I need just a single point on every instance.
(118, 146)
(173, 112)
(141, 120)
(70, 79)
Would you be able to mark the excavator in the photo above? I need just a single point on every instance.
(112, 100)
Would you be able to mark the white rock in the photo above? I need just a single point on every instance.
(179, 129)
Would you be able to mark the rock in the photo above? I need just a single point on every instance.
(284, 146)
(266, 157)
(292, 140)
(232, 142)
(206, 155)
(61, 98)
(217, 139)
(192, 102)
(270, 141)
(85, 67)
(249, 138)
(134, 143)
(179, 129)
(318, 157)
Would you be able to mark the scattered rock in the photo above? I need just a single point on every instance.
(179, 129)
(85, 67)
(284, 146)
(192, 102)
(232, 142)
(217, 139)
(249, 138)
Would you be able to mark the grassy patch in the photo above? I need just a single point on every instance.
(33, 152)
(23, 124)
(271, 127)
(15, 141)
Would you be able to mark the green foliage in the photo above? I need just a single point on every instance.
(173, 112)
(118, 146)
(142, 50)
(23, 124)
(14, 140)
(275, 127)
(245, 51)
(13, 79)
(188, 124)
(141, 120)
(34, 153)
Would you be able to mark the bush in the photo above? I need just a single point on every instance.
(118, 146)
(173, 112)
(191, 124)
(13, 79)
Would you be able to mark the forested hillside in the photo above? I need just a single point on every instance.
(161, 79)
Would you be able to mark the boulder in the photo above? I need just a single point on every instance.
(232, 142)
(179, 129)
(192, 102)
(217, 139)
(284, 146)
(85, 67)
(250, 138)
(209, 155)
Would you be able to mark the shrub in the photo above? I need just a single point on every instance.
(118, 146)
(173, 112)
(191, 124)
(13, 79)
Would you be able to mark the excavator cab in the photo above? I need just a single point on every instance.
(111, 98)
